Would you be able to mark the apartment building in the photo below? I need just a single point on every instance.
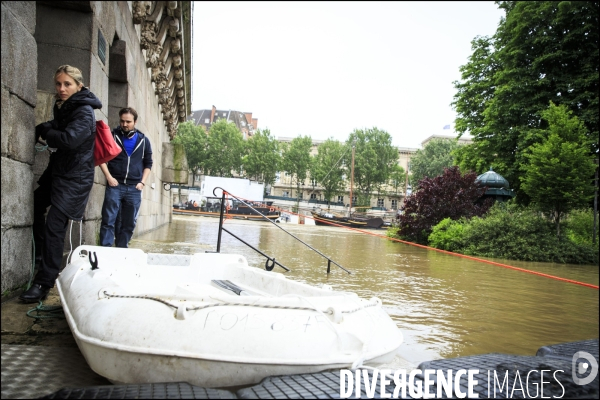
(243, 120)
(390, 197)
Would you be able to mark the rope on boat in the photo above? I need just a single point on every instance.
(372, 304)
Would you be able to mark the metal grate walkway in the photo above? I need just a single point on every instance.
(62, 372)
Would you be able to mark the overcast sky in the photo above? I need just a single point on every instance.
(325, 69)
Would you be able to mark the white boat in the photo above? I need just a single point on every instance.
(213, 321)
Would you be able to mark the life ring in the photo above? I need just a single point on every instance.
(271, 209)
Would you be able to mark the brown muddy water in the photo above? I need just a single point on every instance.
(445, 306)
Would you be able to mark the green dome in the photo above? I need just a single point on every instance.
(492, 180)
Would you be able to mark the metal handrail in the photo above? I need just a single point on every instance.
(272, 259)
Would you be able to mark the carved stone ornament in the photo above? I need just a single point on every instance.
(157, 73)
(163, 96)
(153, 56)
(173, 27)
(148, 35)
(175, 46)
(141, 9)
(163, 57)
(176, 60)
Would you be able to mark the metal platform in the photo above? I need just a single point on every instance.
(148, 391)
(54, 372)
(33, 371)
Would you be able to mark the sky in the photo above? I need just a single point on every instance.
(324, 69)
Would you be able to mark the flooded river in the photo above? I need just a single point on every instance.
(446, 306)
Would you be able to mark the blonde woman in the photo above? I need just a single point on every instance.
(66, 183)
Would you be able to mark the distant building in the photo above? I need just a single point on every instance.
(243, 120)
(464, 139)
(389, 196)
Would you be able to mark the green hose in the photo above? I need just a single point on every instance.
(46, 312)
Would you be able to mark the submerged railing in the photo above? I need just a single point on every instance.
(271, 262)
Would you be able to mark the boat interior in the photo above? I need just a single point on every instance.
(199, 277)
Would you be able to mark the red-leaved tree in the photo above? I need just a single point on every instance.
(450, 195)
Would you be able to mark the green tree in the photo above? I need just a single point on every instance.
(225, 149)
(195, 142)
(541, 52)
(373, 160)
(296, 160)
(558, 176)
(450, 195)
(397, 179)
(262, 158)
(432, 159)
(327, 168)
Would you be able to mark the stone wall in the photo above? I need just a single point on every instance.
(104, 40)
(19, 64)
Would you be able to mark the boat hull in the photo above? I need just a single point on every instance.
(133, 368)
(142, 318)
(332, 220)
(272, 215)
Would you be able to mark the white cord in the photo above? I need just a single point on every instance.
(70, 239)
(70, 242)
(360, 360)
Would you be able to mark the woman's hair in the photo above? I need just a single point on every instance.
(73, 72)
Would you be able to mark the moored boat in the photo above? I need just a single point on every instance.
(211, 207)
(212, 320)
(332, 219)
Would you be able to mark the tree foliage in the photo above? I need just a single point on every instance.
(579, 227)
(296, 159)
(397, 179)
(373, 161)
(513, 232)
(262, 158)
(559, 174)
(195, 142)
(432, 159)
(225, 149)
(450, 195)
(541, 52)
(327, 168)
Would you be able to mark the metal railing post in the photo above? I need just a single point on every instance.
(221, 222)
(262, 215)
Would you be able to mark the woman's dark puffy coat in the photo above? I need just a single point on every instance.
(71, 168)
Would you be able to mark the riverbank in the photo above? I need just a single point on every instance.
(516, 233)
(40, 359)
(447, 307)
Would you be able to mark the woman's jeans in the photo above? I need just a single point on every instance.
(124, 200)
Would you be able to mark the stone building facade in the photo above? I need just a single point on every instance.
(135, 54)
(390, 197)
(242, 120)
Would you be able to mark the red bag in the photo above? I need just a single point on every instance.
(106, 148)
